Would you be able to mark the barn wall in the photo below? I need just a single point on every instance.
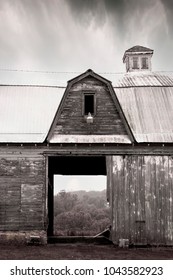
(106, 121)
(141, 198)
(22, 193)
(140, 191)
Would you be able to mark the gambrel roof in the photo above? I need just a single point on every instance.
(145, 102)
(87, 139)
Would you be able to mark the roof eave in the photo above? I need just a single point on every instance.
(136, 53)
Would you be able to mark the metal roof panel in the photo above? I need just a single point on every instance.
(27, 112)
(149, 112)
(142, 79)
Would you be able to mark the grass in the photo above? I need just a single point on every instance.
(82, 251)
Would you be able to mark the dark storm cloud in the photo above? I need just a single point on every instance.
(75, 34)
(79, 6)
(97, 10)
(85, 12)
(168, 4)
(118, 12)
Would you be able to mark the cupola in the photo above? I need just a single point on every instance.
(138, 58)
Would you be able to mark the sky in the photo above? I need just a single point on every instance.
(50, 41)
(76, 183)
(58, 39)
(74, 35)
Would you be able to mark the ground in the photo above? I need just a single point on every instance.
(80, 251)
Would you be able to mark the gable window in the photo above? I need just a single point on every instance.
(144, 63)
(89, 104)
(135, 63)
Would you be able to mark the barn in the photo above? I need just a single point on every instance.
(91, 127)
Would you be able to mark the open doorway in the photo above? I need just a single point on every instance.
(77, 203)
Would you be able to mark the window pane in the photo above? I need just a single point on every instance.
(135, 62)
(144, 63)
(88, 104)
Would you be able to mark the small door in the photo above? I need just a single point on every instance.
(140, 228)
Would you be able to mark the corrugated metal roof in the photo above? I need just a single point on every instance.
(27, 112)
(147, 78)
(149, 112)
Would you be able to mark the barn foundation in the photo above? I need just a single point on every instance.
(22, 237)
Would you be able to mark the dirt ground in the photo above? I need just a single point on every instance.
(82, 252)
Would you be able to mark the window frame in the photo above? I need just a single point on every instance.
(87, 93)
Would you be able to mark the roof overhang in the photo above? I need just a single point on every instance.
(136, 53)
(84, 139)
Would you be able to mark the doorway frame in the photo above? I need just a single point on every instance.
(50, 187)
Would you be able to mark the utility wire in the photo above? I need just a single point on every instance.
(67, 72)
(54, 72)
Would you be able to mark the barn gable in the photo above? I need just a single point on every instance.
(89, 96)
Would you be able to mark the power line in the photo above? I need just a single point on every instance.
(53, 72)
(35, 71)
(66, 72)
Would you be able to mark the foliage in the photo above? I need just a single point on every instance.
(80, 213)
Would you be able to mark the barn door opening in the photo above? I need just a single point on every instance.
(72, 210)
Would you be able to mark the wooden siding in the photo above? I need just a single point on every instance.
(141, 198)
(22, 191)
(140, 189)
(106, 120)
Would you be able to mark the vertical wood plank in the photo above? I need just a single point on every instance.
(121, 198)
(166, 197)
(114, 201)
(109, 178)
(162, 202)
(118, 202)
(126, 198)
(140, 202)
(132, 200)
(158, 200)
(14, 171)
(170, 212)
(151, 234)
(147, 197)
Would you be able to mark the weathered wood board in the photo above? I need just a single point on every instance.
(107, 120)
(141, 199)
(22, 192)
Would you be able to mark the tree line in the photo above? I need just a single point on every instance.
(80, 213)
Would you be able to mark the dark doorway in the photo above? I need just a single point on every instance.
(70, 165)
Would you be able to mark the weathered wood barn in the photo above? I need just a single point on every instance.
(90, 127)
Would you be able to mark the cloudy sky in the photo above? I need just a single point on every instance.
(74, 35)
(76, 183)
